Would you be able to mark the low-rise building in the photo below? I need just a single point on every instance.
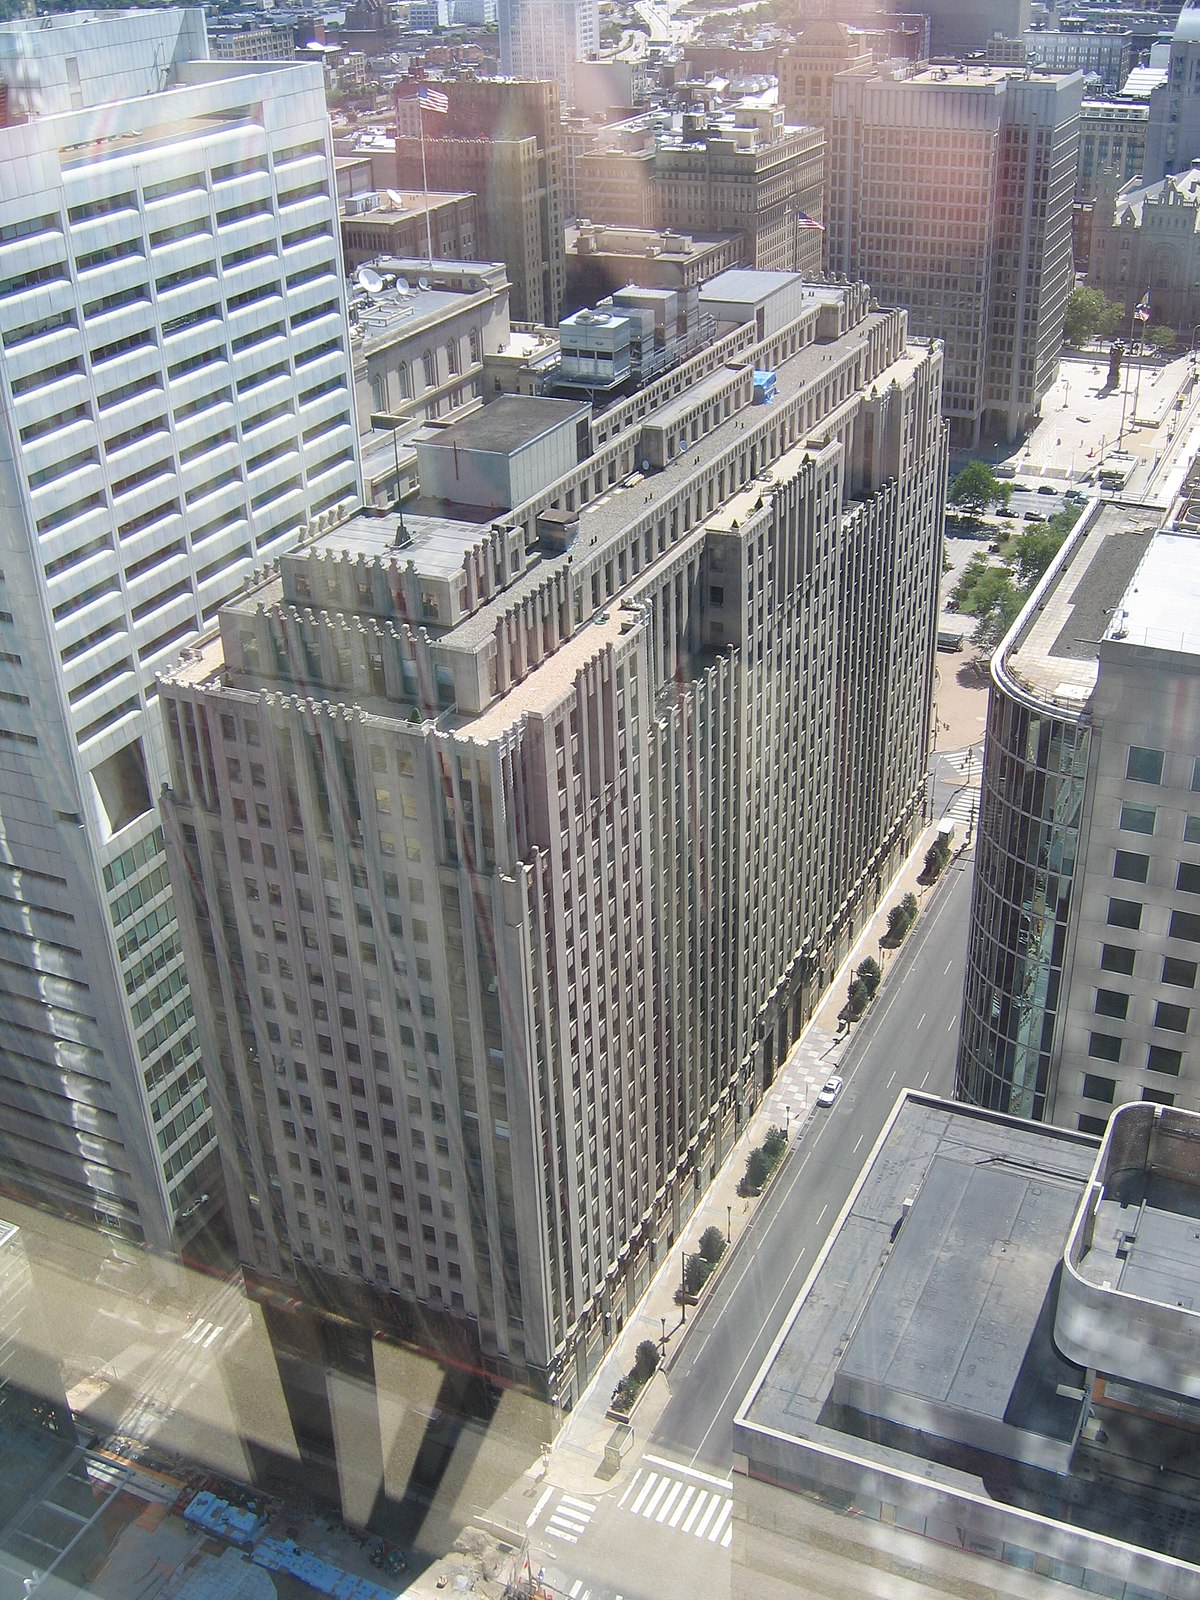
(601, 259)
(989, 1373)
(412, 223)
(418, 338)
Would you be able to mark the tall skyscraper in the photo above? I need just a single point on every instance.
(177, 408)
(545, 38)
(519, 835)
(949, 191)
(1173, 130)
(1083, 964)
(503, 142)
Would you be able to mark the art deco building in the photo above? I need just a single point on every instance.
(520, 834)
(1085, 923)
(741, 170)
(175, 407)
(949, 191)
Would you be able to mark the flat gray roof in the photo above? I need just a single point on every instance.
(746, 284)
(508, 423)
(964, 1281)
(1055, 655)
(954, 1313)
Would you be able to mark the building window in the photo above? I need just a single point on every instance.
(1161, 1059)
(1182, 974)
(1145, 766)
(1168, 1015)
(1158, 1097)
(1188, 877)
(1191, 829)
(1131, 865)
(1097, 1088)
(1111, 1003)
(430, 370)
(1137, 819)
(1104, 1046)
(1116, 958)
(1184, 924)
(452, 360)
(1128, 914)
(1091, 1124)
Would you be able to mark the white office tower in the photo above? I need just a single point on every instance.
(176, 408)
(545, 38)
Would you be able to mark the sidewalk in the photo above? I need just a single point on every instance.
(576, 1461)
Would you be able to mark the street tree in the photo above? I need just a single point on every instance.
(977, 487)
(1090, 314)
(1160, 337)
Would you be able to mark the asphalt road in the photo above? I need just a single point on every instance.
(908, 1039)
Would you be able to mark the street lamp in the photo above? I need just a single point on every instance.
(683, 1287)
(787, 1122)
(728, 1224)
(663, 1320)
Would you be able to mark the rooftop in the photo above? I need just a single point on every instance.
(508, 423)
(923, 1339)
(1054, 653)
(1161, 606)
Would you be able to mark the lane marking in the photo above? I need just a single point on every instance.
(727, 1537)
(636, 1507)
(582, 1505)
(688, 1472)
(664, 1509)
(538, 1509)
(949, 964)
(861, 1137)
(951, 1024)
(664, 1485)
(924, 1081)
(824, 1209)
(691, 1516)
(702, 1526)
(924, 1014)
(688, 1492)
(888, 1084)
(630, 1489)
(575, 1588)
(718, 1527)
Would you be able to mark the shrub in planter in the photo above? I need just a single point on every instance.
(695, 1273)
(645, 1361)
(712, 1245)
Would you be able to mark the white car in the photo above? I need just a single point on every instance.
(833, 1088)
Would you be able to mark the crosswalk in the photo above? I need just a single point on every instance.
(569, 1517)
(680, 1498)
(203, 1333)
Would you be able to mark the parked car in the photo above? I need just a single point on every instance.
(1034, 516)
(831, 1090)
(1046, 488)
(1003, 511)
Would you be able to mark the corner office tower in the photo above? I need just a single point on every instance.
(522, 833)
(175, 406)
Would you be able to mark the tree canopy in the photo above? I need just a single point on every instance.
(976, 487)
(1090, 314)
(994, 594)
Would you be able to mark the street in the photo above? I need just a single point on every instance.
(663, 1530)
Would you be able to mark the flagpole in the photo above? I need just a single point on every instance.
(425, 181)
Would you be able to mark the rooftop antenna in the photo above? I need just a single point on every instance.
(367, 278)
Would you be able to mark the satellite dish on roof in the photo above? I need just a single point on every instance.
(402, 286)
(396, 198)
(367, 278)
(422, 282)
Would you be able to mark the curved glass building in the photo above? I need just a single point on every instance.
(1085, 916)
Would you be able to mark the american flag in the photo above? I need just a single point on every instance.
(803, 220)
(431, 99)
(1142, 310)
